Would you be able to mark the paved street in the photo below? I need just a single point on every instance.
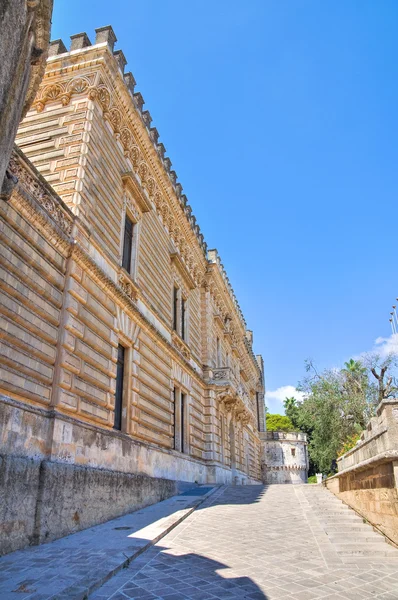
(264, 543)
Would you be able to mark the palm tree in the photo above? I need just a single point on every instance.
(354, 367)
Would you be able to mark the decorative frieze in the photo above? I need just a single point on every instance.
(40, 191)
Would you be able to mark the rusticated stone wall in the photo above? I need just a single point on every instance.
(368, 474)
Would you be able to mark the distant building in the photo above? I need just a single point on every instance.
(284, 457)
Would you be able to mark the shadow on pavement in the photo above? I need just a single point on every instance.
(163, 573)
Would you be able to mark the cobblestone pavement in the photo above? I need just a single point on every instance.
(280, 542)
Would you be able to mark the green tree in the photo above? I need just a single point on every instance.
(337, 406)
(292, 411)
(354, 367)
(279, 423)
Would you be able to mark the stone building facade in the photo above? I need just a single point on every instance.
(126, 363)
(284, 457)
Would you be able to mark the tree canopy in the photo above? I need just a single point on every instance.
(279, 423)
(338, 404)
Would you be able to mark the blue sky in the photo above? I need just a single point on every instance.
(281, 120)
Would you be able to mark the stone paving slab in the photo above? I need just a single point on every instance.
(72, 567)
(257, 543)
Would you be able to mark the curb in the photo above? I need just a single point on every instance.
(97, 579)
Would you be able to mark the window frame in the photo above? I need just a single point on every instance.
(120, 387)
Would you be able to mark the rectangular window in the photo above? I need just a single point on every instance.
(293, 451)
(127, 244)
(175, 308)
(218, 358)
(258, 413)
(183, 399)
(119, 388)
(175, 419)
(183, 315)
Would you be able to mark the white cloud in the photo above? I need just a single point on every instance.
(381, 346)
(386, 346)
(274, 398)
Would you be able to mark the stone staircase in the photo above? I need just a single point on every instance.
(350, 536)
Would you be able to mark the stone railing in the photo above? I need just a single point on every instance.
(223, 376)
(40, 199)
(378, 442)
(367, 477)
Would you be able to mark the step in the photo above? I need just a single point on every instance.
(363, 541)
(360, 536)
(348, 531)
(365, 550)
(341, 521)
(369, 562)
(334, 513)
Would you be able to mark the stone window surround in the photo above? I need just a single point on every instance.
(135, 218)
(181, 437)
(127, 383)
(181, 295)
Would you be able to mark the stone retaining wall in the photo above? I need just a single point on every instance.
(46, 500)
(368, 474)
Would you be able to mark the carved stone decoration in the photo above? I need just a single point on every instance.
(151, 186)
(126, 138)
(78, 85)
(115, 118)
(128, 287)
(51, 203)
(126, 326)
(104, 97)
(181, 346)
(220, 374)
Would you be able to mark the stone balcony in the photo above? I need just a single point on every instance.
(221, 376)
(232, 392)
